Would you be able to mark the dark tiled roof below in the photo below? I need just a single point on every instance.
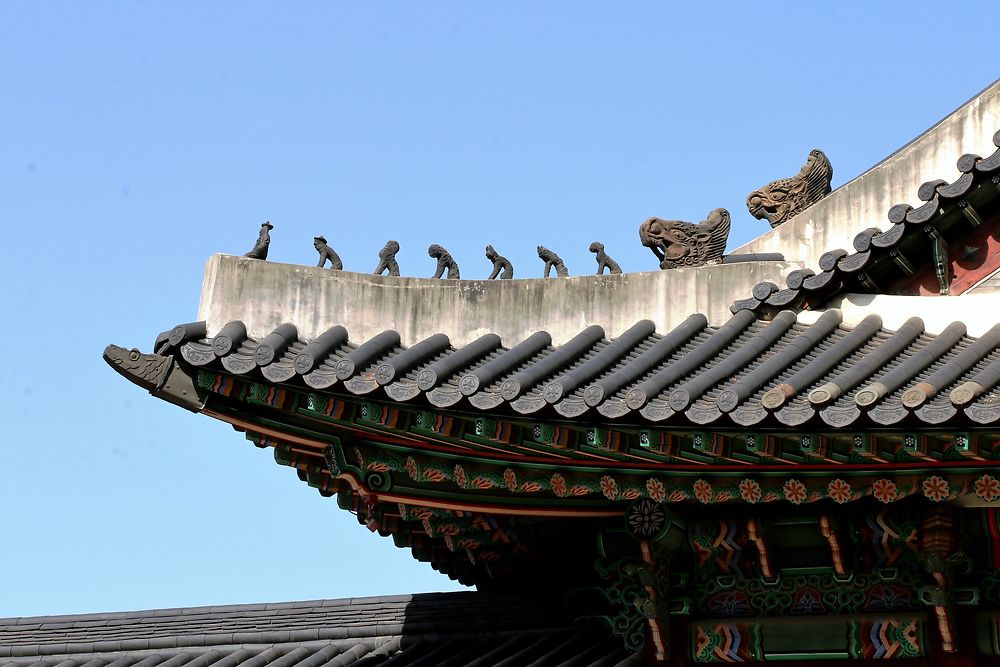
(434, 629)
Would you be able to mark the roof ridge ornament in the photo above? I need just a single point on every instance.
(677, 243)
(387, 259)
(259, 250)
(783, 199)
(552, 261)
(327, 253)
(604, 260)
(445, 262)
(502, 268)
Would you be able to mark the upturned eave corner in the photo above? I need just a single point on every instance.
(158, 374)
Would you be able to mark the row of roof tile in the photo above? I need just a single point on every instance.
(743, 372)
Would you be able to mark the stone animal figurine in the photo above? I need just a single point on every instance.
(502, 268)
(552, 260)
(783, 199)
(677, 243)
(387, 259)
(444, 261)
(263, 241)
(327, 253)
(603, 260)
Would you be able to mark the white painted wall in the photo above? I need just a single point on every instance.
(979, 312)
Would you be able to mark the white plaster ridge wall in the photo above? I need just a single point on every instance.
(979, 312)
(864, 202)
(266, 294)
(989, 284)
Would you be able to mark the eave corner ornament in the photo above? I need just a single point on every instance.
(158, 374)
(781, 200)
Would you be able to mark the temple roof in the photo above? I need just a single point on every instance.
(743, 372)
(431, 629)
(553, 439)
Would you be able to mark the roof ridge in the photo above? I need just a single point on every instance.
(881, 255)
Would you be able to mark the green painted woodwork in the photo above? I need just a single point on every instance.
(871, 637)
(511, 462)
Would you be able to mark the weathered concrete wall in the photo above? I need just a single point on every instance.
(266, 294)
(864, 202)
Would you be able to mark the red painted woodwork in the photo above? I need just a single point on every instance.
(970, 259)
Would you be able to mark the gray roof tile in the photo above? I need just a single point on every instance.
(448, 628)
(739, 374)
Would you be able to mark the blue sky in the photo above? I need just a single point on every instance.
(136, 139)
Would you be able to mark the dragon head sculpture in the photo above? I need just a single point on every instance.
(677, 243)
(785, 198)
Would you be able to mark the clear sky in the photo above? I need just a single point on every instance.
(138, 138)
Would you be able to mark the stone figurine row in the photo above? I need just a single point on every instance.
(675, 243)
(447, 267)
